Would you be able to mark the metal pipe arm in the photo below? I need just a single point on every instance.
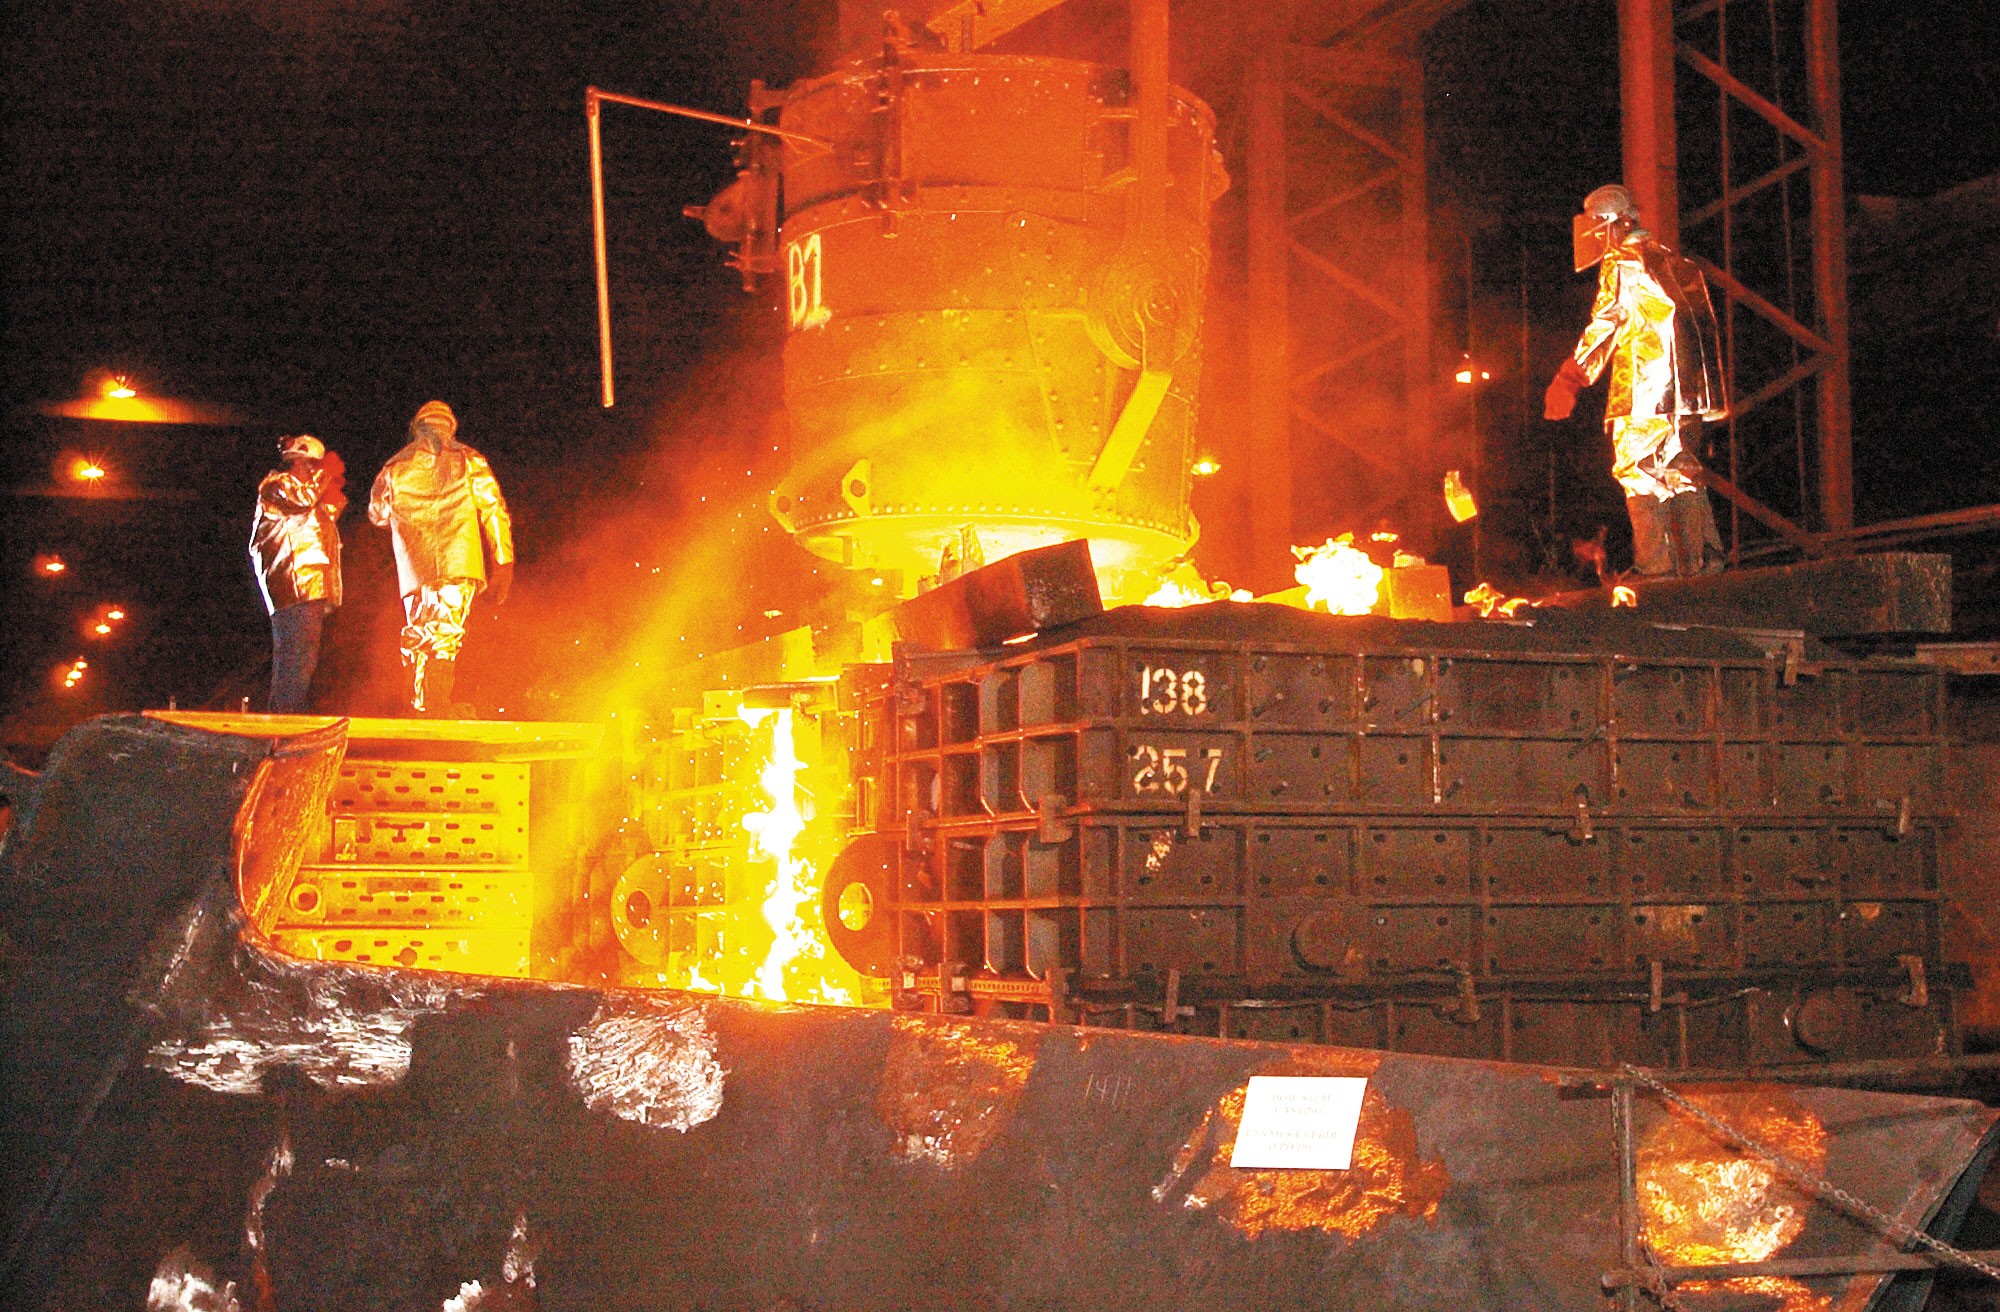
(593, 100)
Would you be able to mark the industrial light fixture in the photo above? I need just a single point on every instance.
(1205, 466)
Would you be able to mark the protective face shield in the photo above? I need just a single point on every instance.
(1607, 214)
(303, 447)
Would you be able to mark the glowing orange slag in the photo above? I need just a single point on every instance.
(1186, 587)
(1490, 601)
(1338, 576)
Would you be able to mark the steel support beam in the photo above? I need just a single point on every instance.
(1417, 297)
(1807, 300)
(1355, 258)
(1268, 323)
(1836, 423)
(1646, 95)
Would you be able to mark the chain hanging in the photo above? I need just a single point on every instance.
(1902, 1232)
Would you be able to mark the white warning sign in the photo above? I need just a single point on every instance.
(1302, 1122)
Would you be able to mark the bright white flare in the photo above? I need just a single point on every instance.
(1339, 576)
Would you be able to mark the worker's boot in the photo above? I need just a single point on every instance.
(1652, 547)
(1697, 542)
(439, 676)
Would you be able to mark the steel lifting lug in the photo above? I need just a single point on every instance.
(1467, 1012)
(1051, 826)
(1919, 993)
(1058, 982)
(1581, 830)
(1171, 1009)
(1191, 819)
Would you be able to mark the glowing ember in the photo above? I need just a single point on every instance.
(1458, 498)
(798, 942)
(1623, 596)
(1339, 576)
(1490, 601)
(1176, 594)
(1184, 587)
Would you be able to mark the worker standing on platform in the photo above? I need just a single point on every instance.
(1652, 323)
(441, 504)
(295, 550)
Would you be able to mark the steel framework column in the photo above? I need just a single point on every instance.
(1269, 305)
(1836, 421)
(1646, 95)
(1784, 312)
(1417, 291)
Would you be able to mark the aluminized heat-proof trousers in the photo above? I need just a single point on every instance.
(433, 630)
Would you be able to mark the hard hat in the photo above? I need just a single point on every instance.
(1591, 232)
(1611, 202)
(303, 447)
(435, 413)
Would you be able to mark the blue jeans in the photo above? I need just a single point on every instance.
(294, 655)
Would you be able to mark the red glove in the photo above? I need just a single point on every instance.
(1559, 402)
(499, 583)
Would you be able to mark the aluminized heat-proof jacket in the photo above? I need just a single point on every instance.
(294, 542)
(439, 499)
(1653, 324)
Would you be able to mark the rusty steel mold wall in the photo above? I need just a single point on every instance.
(1389, 836)
(976, 301)
(299, 1134)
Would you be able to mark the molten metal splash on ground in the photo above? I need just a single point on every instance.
(1705, 1202)
(1339, 576)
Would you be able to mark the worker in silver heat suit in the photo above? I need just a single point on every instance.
(442, 506)
(1653, 325)
(295, 551)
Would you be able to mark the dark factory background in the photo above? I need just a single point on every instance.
(320, 215)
